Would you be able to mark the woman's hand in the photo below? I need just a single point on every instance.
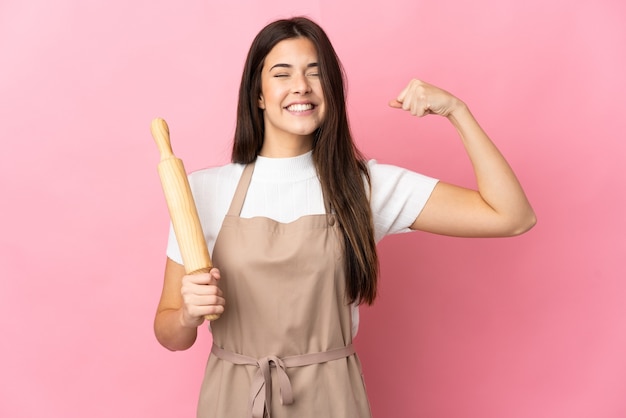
(201, 296)
(185, 300)
(422, 99)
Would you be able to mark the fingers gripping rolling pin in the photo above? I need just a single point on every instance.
(181, 206)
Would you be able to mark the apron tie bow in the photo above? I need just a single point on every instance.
(261, 387)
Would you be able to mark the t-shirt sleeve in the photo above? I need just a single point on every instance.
(173, 250)
(398, 197)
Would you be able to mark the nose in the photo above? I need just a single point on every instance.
(301, 84)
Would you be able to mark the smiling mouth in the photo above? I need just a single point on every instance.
(299, 107)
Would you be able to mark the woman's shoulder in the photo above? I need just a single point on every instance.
(215, 180)
(392, 180)
(384, 172)
(221, 172)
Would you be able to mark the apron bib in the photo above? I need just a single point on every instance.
(283, 346)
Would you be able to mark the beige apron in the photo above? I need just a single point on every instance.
(283, 347)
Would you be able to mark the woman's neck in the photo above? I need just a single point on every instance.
(286, 147)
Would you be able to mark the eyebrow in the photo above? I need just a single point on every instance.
(311, 65)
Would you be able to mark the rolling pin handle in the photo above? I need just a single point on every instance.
(161, 135)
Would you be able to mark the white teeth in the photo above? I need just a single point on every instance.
(300, 107)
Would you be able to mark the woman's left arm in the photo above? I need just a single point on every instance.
(499, 207)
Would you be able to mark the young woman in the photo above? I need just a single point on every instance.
(293, 223)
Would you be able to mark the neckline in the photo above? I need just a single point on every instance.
(300, 167)
(242, 190)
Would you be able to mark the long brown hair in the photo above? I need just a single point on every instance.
(340, 165)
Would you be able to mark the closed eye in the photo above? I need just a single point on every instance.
(312, 66)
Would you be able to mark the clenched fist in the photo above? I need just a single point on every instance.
(421, 98)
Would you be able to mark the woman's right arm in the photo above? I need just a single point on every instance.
(185, 300)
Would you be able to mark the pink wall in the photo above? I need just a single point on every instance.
(533, 326)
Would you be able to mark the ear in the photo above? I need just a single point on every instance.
(261, 102)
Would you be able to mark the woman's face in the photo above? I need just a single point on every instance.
(291, 98)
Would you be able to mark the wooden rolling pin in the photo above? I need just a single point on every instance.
(181, 206)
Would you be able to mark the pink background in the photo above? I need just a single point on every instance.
(533, 326)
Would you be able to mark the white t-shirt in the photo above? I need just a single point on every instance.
(285, 189)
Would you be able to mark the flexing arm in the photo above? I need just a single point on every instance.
(185, 300)
(499, 207)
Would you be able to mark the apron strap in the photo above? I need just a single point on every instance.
(261, 387)
(242, 189)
